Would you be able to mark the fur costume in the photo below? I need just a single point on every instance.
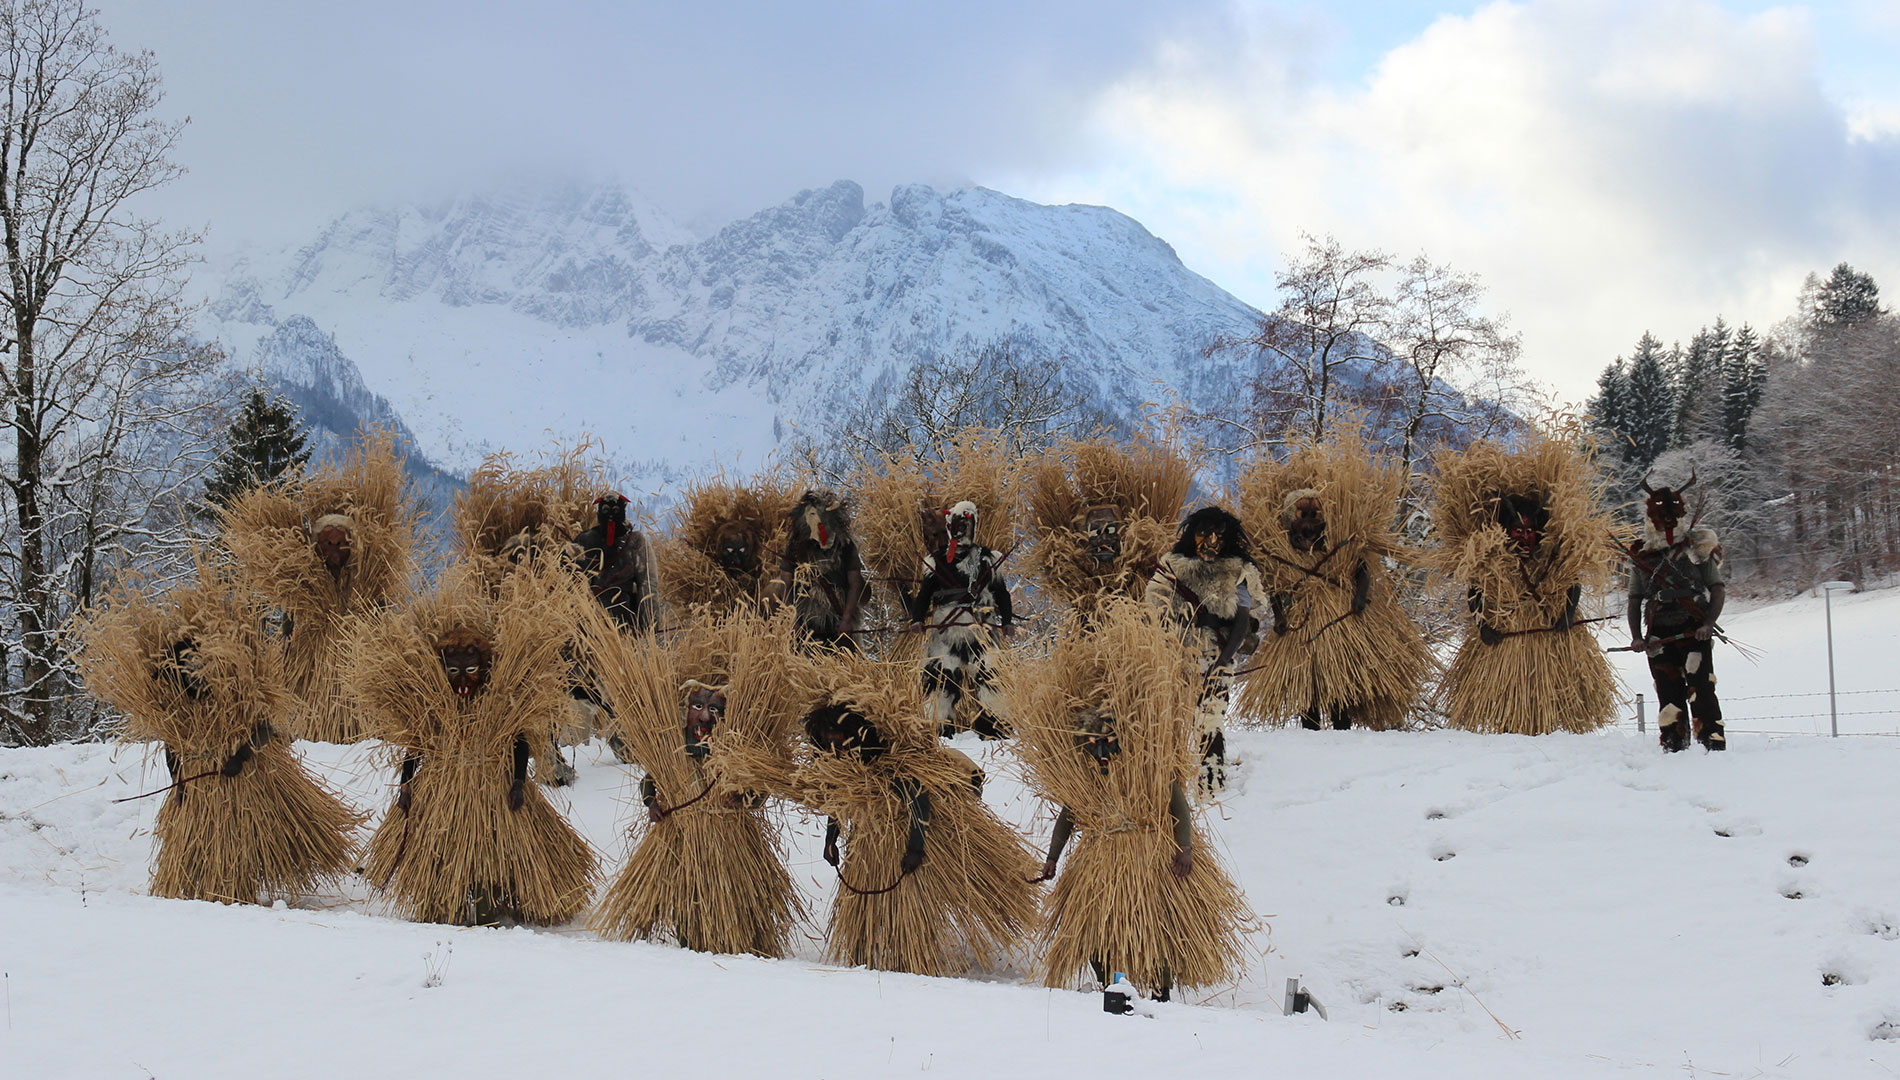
(243, 822)
(1527, 535)
(1676, 593)
(717, 559)
(820, 575)
(707, 867)
(1336, 644)
(1103, 513)
(1197, 586)
(618, 562)
(962, 604)
(342, 544)
(464, 842)
(1104, 729)
(931, 882)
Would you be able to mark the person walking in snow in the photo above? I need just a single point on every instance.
(1676, 593)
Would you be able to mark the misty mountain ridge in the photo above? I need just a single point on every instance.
(511, 320)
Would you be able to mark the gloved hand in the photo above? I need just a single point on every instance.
(1048, 870)
(234, 764)
(403, 797)
(1489, 634)
(831, 852)
(517, 795)
(1183, 863)
(912, 860)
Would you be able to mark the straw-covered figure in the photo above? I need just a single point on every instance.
(457, 685)
(929, 880)
(1337, 647)
(706, 867)
(339, 545)
(1198, 586)
(192, 670)
(1676, 593)
(510, 514)
(820, 573)
(1103, 513)
(1526, 534)
(1105, 731)
(724, 534)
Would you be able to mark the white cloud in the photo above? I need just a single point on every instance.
(1607, 166)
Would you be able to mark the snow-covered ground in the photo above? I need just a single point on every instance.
(1463, 906)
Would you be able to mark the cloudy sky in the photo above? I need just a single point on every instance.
(1607, 166)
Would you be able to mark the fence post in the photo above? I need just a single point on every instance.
(1640, 728)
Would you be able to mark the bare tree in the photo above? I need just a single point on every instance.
(1443, 347)
(1330, 309)
(100, 391)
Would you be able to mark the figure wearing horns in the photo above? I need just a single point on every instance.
(618, 563)
(1676, 593)
(340, 545)
(961, 605)
(242, 821)
(457, 684)
(1198, 585)
(1105, 731)
(1521, 531)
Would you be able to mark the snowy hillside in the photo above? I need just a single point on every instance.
(505, 321)
(1464, 906)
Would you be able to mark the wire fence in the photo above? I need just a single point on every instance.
(1642, 721)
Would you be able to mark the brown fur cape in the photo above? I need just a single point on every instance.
(458, 835)
(1375, 664)
(270, 531)
(269, 832)
(1116, 900)
(972, 898)
(710, 871)
(1535, 680)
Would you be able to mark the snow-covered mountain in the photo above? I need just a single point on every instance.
(511, 321)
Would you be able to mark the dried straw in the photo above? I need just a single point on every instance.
(458, 836)
(272, 830)
(1374, 664)
(554, 498)
(690, 574)
(1147, 480)
(269, 531)
(1535, 680)
(709, 872)
(969, 903)
(1116, 901)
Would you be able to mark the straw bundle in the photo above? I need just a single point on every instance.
(554, 500)
(1147, 481)
(1535, 680)
(690, 575)
(271, 531)
(458, 840)
(709, 871)
(1372, 665)
(894, 492)
(1116, 902)
(270, 831)
(970, 901)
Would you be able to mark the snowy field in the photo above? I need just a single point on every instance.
(1463, 906)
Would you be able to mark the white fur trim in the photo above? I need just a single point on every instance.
(1693, 664)
(1669, 715)
(964, 507)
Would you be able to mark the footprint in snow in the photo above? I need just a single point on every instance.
(1442, 852)
(1886, 1030)
(1797, 860)
(1737, 828)
(1882, 927)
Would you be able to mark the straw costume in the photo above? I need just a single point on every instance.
(243, 822)
(820, 574)
(509, 514)
(1527, 534)
(457, 684)
(1341, 649)
(930, 881)
(1103, 514)
(940, 537)
(341, 544)
(715, 561)
(707, 867)
(1105, 731)
(1197, 585)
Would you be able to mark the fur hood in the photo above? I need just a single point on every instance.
(1702, 544)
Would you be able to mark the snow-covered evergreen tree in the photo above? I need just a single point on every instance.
(1743, 376)
(1652, 402)
(262, 444)
(1847, 298)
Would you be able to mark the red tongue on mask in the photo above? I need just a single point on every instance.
(610, 532)
(824, 535)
